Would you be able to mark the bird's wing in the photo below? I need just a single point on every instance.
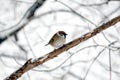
(52, 39)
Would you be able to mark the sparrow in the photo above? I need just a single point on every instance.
(58, 39)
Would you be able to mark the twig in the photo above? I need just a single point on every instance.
(110, 66)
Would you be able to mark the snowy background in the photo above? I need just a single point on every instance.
(75, 17)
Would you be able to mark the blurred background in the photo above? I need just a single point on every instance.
(95, 59)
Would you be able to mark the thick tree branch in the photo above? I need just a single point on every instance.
(31, 64)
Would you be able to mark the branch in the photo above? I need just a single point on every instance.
(22, 23)
(30, 64)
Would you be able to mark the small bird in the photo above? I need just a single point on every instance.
(58, 39)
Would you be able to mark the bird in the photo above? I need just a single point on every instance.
(57, 40)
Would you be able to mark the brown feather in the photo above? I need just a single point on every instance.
(55, 37)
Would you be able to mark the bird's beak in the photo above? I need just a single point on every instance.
(66, 34)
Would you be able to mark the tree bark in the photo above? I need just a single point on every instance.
(34, 63)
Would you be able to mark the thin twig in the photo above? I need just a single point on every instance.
(110, 68)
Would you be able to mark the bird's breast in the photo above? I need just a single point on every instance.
(58, 43)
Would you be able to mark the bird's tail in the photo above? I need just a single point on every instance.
(46, 44)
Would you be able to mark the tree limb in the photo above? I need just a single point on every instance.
(34, 63)
(22, 23)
